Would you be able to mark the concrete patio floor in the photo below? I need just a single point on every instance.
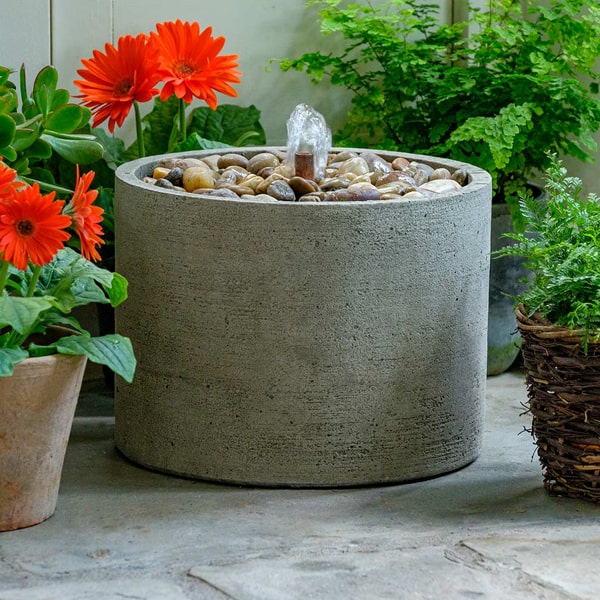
(486, 531)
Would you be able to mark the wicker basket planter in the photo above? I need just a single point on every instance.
(563, 385)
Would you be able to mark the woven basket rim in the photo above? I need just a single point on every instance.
(544, 329)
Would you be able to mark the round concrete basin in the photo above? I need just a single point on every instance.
(303, 344)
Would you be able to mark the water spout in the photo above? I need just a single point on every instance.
(308, 143)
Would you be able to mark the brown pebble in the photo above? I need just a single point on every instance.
(197, 177)
(220, 193)
(160, 172)
(400, 164)
(280, 190)
(232, 160)
(460, 176)
(302, 186)
(440, 173)
(164, 183)
(261, 160)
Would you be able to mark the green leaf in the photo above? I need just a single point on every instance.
(24, 138)
(44, 88)
(36, 351)
(113, 350)
(65, 119)
(9, 100)
(81, 151)
(9, 357)
(61, 97)
(8, 129)
(40, 149)
(117, 292)
(5, 73)
(22, 313)
(197, 142)
(9, 153)
(77, 281)
(114, 148)
(228, 124)
(159, 124)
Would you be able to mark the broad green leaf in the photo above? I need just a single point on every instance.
(83, 278)
(87, 291)
(9, 357)
(44, 88)
(228, 124)
(24, 138)
(197, 142)
(159, 124)
(8, 100)
(60, 98)
(40, 149)
(117, 291)
(113, 149)
(42, 175)
(7, 130)
(113, 350)
(22, 313)
(78, 151)
(5, 73)
(65, 119)
(8, 153)
(36, 351)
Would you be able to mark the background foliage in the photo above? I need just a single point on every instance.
(500, 97)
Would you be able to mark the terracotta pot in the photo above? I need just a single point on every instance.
(37, 404)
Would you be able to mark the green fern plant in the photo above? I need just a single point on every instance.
(499, 96)
(561, 247)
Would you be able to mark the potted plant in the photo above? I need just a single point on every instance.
(45, 273)
(498, 96)
(559, 319)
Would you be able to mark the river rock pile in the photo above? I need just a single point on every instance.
(349, 176)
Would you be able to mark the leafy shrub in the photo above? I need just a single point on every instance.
(561, 246)
(500, 97)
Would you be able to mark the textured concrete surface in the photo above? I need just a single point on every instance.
(486, 531)
(318, 343)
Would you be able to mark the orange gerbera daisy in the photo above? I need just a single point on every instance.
(86, 217)
(190, 65)
(112, 81)
(32, 227)
(8, 181)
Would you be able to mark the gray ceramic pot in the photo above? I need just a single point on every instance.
(303, 344)
(504, 340)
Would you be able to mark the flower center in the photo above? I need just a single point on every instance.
(184, 69)
(25, 228)
(122, 88)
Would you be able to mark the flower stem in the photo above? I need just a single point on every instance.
(34, 279)
(138, 129)
(182, 120)
(3, 274)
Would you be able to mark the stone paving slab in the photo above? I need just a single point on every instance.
(568, 560)
(486, 531)
(405, 573)
(120, 589)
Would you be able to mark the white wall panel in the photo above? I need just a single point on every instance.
(25, 35)
(79, 27)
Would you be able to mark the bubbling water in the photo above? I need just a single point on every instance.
(308, 134)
